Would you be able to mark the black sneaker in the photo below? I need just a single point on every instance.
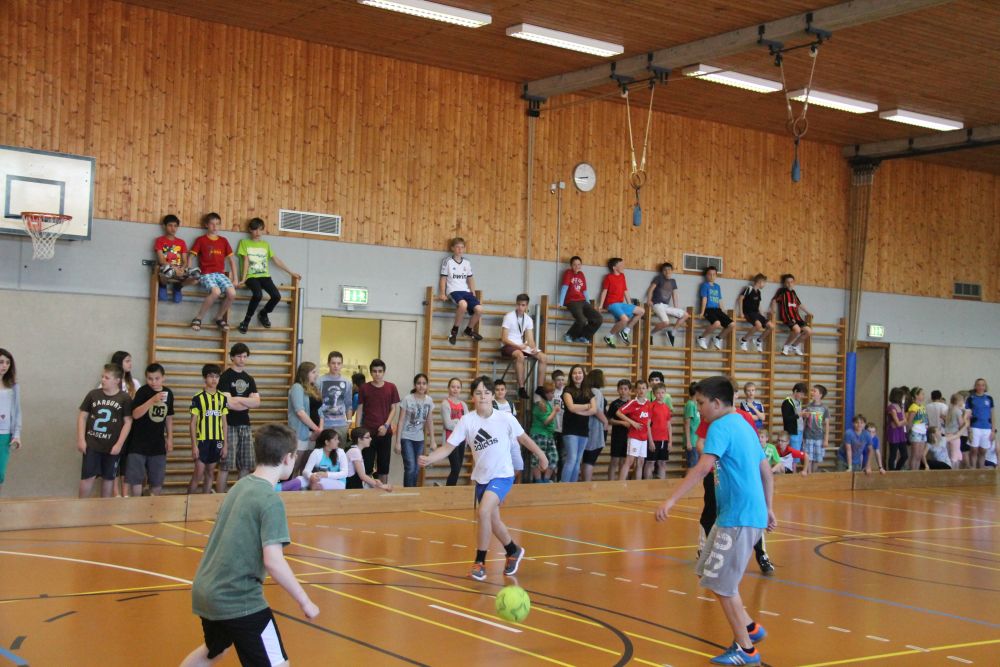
(474, 335)
(453, 337)
(264, 320)
(244, 326)
(766, 568)
(522, 392)
(670, 335)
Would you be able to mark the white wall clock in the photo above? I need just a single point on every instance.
(584, 177)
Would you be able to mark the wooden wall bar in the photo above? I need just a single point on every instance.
(187, 116)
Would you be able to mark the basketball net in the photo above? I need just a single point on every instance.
(44, 229)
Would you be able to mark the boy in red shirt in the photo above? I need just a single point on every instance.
(573, 297)
(659, 428)
(637, 414)
(171, 259)
(212, 252)
(788, 454)
(615, 300)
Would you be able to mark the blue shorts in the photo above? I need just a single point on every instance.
(795, 441)
(619, 309)
(210, 280)
(468, 297)
(498, 485)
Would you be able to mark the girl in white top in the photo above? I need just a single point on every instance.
(10, 411)
(327, 469)
(491, 434)
(358, 479)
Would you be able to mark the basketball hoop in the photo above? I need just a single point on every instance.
(44, 229)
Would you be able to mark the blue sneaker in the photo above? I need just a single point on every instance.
(569, 339)
(161, 294)
(758, 633)
(583, 339)
(736, 656)
(178, 296)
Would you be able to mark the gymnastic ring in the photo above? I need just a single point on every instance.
(637, 178)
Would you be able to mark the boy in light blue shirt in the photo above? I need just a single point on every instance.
(743, 494)
(711, 311)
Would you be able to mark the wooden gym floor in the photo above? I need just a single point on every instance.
(879, 577)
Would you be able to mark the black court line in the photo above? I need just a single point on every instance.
(137, 597)
(349, 638)
(16, 644)
(62, 615)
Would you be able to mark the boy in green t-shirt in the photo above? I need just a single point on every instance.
(770, 451)
(245, 545)
(543, 427)
(692, 420)
(255, 253)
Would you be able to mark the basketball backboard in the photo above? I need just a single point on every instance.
(34, 180)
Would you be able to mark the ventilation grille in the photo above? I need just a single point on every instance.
(699, 263)
(309, 223)
(968, 291)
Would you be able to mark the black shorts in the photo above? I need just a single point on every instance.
(619, 450)
(754, 318)
(590, 456)
(99, 463)
(209, 451)
(793, 323)
(713, 315)
(256, 638)
(661, 450)
(964, 443)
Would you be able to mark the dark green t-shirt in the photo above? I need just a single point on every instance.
(229, 582)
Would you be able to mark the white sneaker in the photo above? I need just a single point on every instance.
(717, 342)
(798, 350)
(702, 343)
(759, 344)
(786, 350)
(744, 344)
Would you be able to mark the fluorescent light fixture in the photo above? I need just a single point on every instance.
(831, 101)
(727, 78)
(433, 10)
(565, 40)
(921, 119)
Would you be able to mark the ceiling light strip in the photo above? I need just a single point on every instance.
(735, 79)
(434, 11)
(833, 101)
(565, 40)
(921, 120)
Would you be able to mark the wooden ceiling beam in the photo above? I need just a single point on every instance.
(939, 142)
(836, 17)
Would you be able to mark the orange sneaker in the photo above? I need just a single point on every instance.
(478, 572)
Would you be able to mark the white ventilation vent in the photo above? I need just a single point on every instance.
(699, 263)
(968, 291)
(322, 224)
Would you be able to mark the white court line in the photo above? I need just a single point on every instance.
(459, 546)
(649, 585)
(599, 574)
(769, 613)
(808, 622)
(918, 648)
(390, 534)
(836, 629)
(368, 532)
(627, 581)
(546, 562)
(473, 618)
(436, 542)
(99, 564)
(676, 592)
(319, 525)
(574, 569)
(414, 538)
(877, 638)
(343, 528)
(702, 597)
(957, 659)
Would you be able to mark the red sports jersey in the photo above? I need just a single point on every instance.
(172, 249)
(640, 413)
(660, 422)
(796, 454)
(702, 431)
(615, 284)
(212, 253)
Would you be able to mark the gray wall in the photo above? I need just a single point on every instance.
(62, 319)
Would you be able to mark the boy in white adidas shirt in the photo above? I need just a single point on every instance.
(491, 434)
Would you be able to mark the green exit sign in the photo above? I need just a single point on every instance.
(355, 296)
(876, 331)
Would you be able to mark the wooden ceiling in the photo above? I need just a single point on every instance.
(941, 61)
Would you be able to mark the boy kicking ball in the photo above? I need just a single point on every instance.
(744, 502)
(491, 434)
(245, 545)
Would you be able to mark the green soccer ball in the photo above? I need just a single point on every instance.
(513, 604)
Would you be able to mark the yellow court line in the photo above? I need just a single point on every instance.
(949, 647)
(953, 494)
(161, 539)
(186, 530)
(55, 596)
(519, 530)
(921, 556)
(950, 546)
(474, 611)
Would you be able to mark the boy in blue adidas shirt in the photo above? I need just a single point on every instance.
(711, 311)
(743, 494)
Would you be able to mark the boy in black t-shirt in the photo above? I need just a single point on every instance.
(240, 391)
(748, 302)
(102, 426)
(152, 433)
(619, 428)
